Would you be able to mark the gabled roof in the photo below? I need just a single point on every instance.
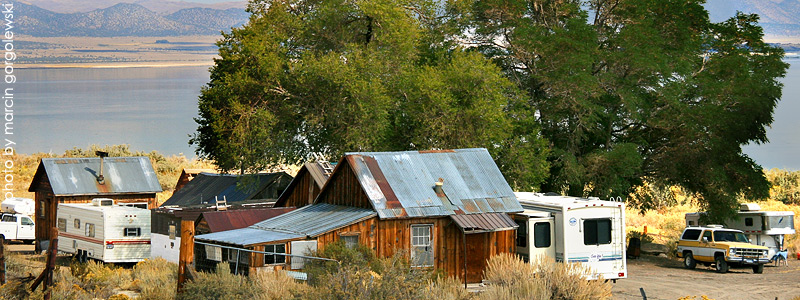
(306, 222)
(401, 184)
(318, 175)
(203, 189)
(78, 176)
(239, 218)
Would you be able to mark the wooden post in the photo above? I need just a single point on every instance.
(186, 256)
(2, 260)
(47, 273)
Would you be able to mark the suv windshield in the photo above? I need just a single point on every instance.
(730, 236)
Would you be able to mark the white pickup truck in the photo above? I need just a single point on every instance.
(17, 227)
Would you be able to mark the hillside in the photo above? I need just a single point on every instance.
(124, 19)
(159, 6)
(779, 18)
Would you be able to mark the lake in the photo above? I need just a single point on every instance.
(148, 108)
(153, 109)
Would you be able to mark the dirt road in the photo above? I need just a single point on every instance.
(665, 278)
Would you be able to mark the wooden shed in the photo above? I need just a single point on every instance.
(306, 185)
(189, 174)
(79, 180)
(448, 209)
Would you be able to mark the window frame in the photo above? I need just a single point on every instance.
(522, 233)
(586, 232)
(89, 230)
(61, 223)
(76, 223)
(276, 259)
(536, 235)
(345, 238)
(421, 238)
(137, 230)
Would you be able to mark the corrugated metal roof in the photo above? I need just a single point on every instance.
(78, 176)
(240, 218)
(305, 222)
(247, 236)
(401, 184)
(485, 222)
(203, 189)
(313, 169)
(316, 219)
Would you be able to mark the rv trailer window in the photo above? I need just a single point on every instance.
(272, 259)
(62, 224)
(522, 233)
(541, 234)
(597, 231)
(130, 231)
(77, 223)
(776, 222)
(89, 229)
(748, 222)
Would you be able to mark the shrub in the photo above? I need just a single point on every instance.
(543, 278)
(155, 279)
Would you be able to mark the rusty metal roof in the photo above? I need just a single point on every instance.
(401, 184)
(240, 218)
(206, 187)
(78, 176)
(306, 222)
(486, 222)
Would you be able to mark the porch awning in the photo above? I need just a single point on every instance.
(484, 222)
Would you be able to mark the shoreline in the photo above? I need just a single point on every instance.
(112, 65)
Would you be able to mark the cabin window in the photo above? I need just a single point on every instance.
(421, 246)
(89, 229)
(274, 259)
(77, 223)
(748, 222)
(172, 232)
(349, 240)
(691, 234)
(597, 231)
(522, 233)
(131, 231)
(62, 224)
(541, 234)
(41, 209)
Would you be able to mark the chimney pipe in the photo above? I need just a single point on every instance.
(438, 187)
(100, 178)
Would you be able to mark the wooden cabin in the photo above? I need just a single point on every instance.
(306, 185)
(240, 192)
(448, 209)
(130, 180)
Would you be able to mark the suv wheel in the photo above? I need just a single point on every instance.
(688, 261)
(721, 264)
(758, 269)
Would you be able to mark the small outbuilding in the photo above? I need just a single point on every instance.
(126, 180)
(306, 185)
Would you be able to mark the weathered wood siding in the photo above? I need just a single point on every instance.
(344, 189)
(301, 193)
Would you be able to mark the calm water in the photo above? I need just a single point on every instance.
(148, 108)
(152, 109)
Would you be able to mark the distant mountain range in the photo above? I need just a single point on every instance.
(159, 6)
(126, 19)
(779, 18)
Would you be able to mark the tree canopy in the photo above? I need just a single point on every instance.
(591, 98)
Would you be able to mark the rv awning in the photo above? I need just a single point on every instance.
(485, 222)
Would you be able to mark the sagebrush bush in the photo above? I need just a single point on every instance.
(155, 279)
(543, 278)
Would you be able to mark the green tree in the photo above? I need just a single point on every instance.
(335, 76)
(633, 89)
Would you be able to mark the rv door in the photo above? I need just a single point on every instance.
(542, 236)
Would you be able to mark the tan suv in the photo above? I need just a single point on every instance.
(721, 246)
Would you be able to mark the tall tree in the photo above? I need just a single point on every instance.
(334, 76)
(628, 90)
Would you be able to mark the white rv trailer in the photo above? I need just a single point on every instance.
(765, 228)
(104, 231)
(574, 230)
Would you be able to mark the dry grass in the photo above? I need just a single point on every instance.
(155, 279)
(543, 278)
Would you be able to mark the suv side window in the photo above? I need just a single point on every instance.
(691, 234)
(707, 235)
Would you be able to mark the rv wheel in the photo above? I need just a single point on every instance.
(721, 264)
(758, 269)
(688, 261)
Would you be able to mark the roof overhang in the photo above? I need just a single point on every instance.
(484, 222)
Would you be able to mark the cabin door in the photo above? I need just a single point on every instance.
(542, 234)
